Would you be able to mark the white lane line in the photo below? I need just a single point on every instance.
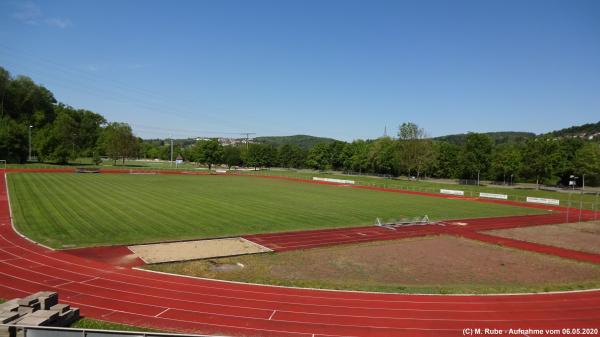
(92, 279)
(322, 291)
(162, 312)
(63, 284)
(272, 314)
(254, 308)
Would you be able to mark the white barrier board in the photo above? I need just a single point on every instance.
(453, 192)
(493, 196)
(544, 201)
(339, 181)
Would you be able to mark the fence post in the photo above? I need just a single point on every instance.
(596, 207)
(569, 207)
(580, 204)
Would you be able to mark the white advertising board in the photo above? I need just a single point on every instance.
(453, 192)
(493, 196)
(543, 201)
(339, 181)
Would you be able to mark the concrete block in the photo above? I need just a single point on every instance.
(61, 308)
(33, 320)
(28, 301)
(45, 313)
(11, 305)
(48, 301)
(8, 316)
(24, 310)
(68, 317)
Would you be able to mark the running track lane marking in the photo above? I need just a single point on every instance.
(273, 314)
(129, 275)
(162, 312)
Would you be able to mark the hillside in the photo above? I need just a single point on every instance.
(498, 137)
(587, 131)
(304, 141)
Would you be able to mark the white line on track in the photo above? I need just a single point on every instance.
(229, 297)
(288, 311)
(273, 314)
(162, 312)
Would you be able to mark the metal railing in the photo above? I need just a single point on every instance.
(49, 331)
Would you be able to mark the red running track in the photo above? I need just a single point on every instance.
(169, 302)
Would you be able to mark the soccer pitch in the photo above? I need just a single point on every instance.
(76, 210)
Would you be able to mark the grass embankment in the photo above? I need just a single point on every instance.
(433, 265)
(96, 209)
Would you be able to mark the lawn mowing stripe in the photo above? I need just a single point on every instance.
(121, 208)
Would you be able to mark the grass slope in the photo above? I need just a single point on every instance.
(87, 209)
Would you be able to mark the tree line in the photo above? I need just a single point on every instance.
(60, 133)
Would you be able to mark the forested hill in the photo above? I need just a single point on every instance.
(498, 137)
(303, 141)
(583, 131)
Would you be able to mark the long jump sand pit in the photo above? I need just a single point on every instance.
(196, 250)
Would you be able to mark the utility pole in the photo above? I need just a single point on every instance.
(247, 137)
(30, 127)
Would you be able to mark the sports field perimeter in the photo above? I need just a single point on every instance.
(74, 210)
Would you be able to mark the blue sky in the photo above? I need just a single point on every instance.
(343, 69)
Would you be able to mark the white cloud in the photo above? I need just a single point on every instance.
(58, 22)
(28, 13)
(31, 14)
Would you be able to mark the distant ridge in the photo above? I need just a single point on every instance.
(303, 141)
(500, 137)
(587, 131)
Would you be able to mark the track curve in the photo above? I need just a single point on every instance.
(170, 302)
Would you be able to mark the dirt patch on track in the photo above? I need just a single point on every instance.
(433, 264)
(583, 236)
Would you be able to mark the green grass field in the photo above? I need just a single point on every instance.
(589, 200)
(101, 209)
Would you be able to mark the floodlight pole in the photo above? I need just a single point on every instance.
(30, 127)
(171, 165)
(583, 182)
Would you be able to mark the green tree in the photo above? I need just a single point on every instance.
(383, 156)
(587, 162)
(291, 155)
(117, 141)
(356, 156)
(447, 164)
(14, 144)
(209, 152)
(476, 156)
(319, 157)
(232, 156)
(507, 161)
(542, 159)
